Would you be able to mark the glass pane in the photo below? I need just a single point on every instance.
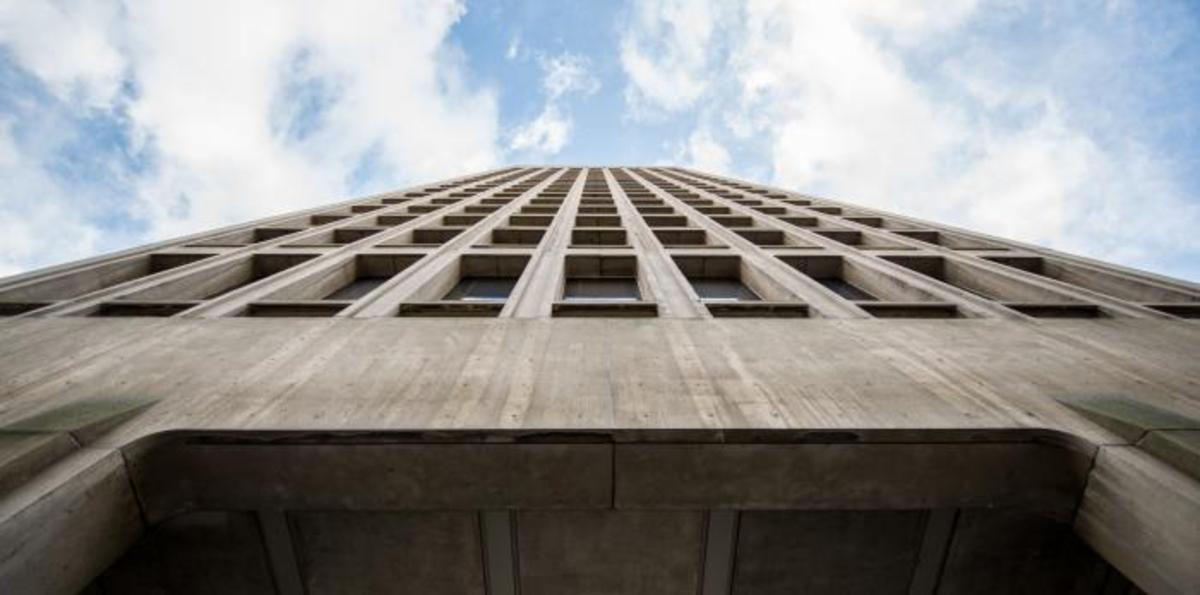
(845, 289)
(622, 289)
(357, 288)
(725, 290)
(482, 289)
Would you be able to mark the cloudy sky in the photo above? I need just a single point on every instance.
(1070, 124)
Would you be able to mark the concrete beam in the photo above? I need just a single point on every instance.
(1143, 516)
(66, 525)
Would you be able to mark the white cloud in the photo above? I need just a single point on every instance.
(211, 89)
(240, 109)
(215, 82)
(828, 94)
(909, 21)
(67, 45)
(665, 52)
(836, 110)
(32, 221)
(547, 134)
(567, 73)
(702, 151)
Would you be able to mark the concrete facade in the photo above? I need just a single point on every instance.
(598, 380)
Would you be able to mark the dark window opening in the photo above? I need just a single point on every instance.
(357, 288)
(482, 289)
(724, 290)
(617, 289)
(845, 289)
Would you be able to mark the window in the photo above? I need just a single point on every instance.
(357, 288)
(730, 288)
(723, 290)
(615, 289)
(480, 285)
(601, 278)
(840, 277)
(598, 236)
(602, 285)
(482, 289)
(844, 289)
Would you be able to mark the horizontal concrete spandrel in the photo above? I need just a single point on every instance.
(1032, 476)
(177, 477)
(434, 374)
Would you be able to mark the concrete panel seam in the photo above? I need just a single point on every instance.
(720, 552)
(133, 489)
(281, 552)
(934, 549)
(499, 552)
(1087, 481)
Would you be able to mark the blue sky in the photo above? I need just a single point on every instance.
(1068, 124)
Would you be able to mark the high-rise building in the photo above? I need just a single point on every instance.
(558, 380)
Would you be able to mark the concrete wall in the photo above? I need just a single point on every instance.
(820, 441)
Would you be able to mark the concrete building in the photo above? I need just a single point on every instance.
(548, 380)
